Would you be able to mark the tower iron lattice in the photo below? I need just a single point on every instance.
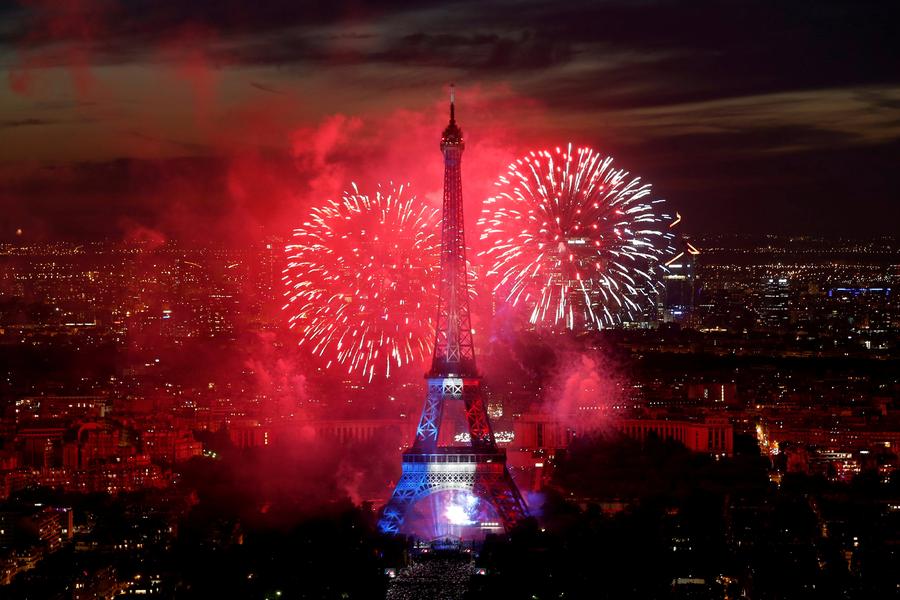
(479, 467)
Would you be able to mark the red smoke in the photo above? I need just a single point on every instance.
(585, 390)
(280, 380)
(60, 34)
(403, 145)
(239, 168)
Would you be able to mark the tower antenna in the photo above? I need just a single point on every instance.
(452, 103)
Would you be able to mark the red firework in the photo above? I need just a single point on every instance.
(360, 280)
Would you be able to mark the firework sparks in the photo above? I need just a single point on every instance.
(360, 280)
(574, 240)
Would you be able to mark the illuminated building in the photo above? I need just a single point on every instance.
(712, 436)
(680, 285)
(548, 434)
(773, 303)
(50, 526)
(40, 447)
(478, 469)
(248, 433)
(168, 445)
(102, 441)
(870, 313)
(707, 394)
(359, 430)
(540, 431)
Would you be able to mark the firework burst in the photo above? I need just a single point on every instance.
(360, 280)
(577, 242)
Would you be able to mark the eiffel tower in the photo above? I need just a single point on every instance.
(453, 382)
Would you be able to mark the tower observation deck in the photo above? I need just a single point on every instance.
(453, 382)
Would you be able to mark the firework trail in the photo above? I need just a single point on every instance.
(360, 280)
(578, 243)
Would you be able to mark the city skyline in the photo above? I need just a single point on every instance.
(656, 307)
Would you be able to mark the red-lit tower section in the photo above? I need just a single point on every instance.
(454, 351)
(453, 382)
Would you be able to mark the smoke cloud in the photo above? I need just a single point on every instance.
(585, 390)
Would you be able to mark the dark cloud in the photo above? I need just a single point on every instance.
(607, 54)
(834, 190)
(741, 43)
(13, 123)
(476, 51)
(735, 110)
(39, 122)
(143, 21)
(266, 88)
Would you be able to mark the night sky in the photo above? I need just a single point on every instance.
(222, 119)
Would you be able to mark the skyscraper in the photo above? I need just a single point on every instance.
(680, 285)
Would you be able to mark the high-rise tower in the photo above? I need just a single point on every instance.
(453, 382)
(680, 285)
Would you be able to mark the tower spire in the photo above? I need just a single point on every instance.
(452, 103)
(454, 352)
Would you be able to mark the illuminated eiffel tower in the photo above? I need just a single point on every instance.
(453, 382)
